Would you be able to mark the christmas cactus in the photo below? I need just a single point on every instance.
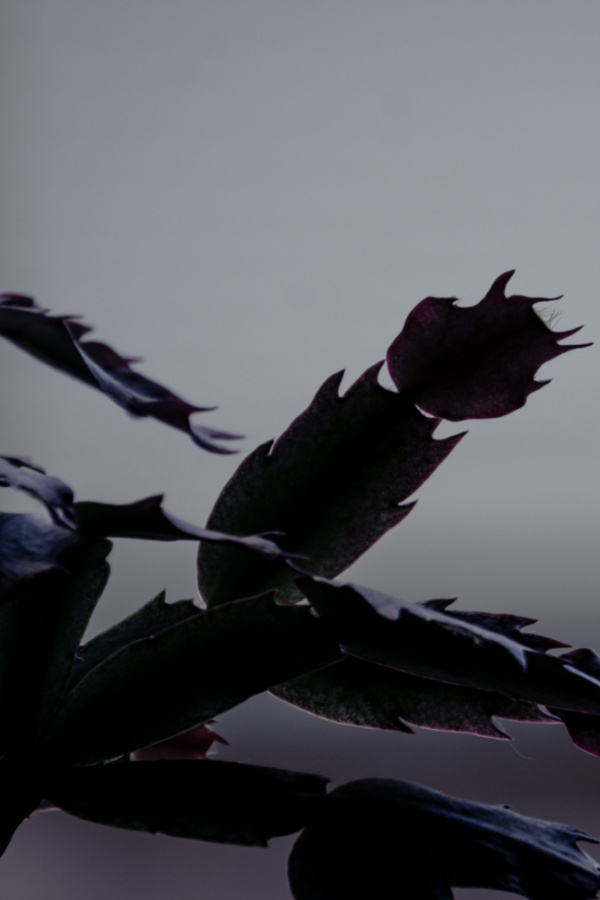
(116, 729)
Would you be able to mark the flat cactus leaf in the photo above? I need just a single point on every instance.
(149, 520)
(57, 341)
(425, 842)
(209, 800)
(355, 692)
(332, 483)
(149, 620)
(503, 623)
(166, 683)
(474, 362)
(424, 641)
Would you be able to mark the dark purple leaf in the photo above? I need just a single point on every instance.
(381, 829)
(473, 362)
(25, 476)
(147, 519)
(192, 744)
(57, 341)
(421, 640)
(184, 675)
(332, 483)
(41, 624)
(150, 619)
(584, 730)
(208, 800)
(503, 623)
(355, 692)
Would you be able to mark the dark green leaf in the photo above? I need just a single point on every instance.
(474, 362)
(213, 801)
(332, 483)
(185, 675)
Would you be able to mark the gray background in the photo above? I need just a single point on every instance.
(253, 195)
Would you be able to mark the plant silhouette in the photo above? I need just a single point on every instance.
(116, 730)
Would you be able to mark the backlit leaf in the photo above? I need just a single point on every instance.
(355, 692)
(474, 362)
(168, 682)
(422, 640)
(332, 483)
(57, 341)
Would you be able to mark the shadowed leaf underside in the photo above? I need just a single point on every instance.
(393, 836)
(332, 483)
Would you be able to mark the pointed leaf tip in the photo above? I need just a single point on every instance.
(473, 362)
(56, 340)
(192, 744)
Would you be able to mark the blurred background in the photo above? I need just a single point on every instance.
(252, 196)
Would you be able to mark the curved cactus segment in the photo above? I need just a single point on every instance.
(474, 362)
(57, 341)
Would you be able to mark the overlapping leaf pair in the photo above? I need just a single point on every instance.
(96, 729)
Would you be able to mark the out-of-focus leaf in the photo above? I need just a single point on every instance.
(332, 483)
(473, 362)
(183, 676)
(25, 476)
(57, 341)
(424, 641)
(151, 618)
(382, 829)
(584, 730)
(148, 519)
(41, 625)
(31, 544)
(213, 801)
(192, 744)
(355, 692)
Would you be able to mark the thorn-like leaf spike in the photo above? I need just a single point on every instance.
(56, 340)
(192, 744)
(475, 362)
